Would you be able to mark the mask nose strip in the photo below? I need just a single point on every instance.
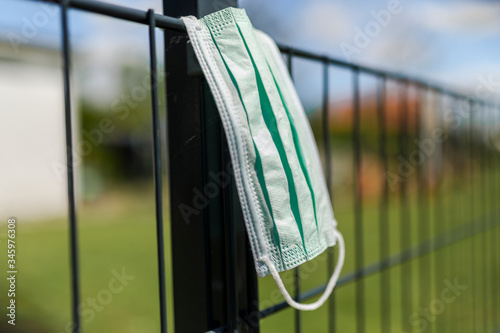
(329, 287)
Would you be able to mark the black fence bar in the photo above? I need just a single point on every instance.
(454, 217)
(497, 216)
(494, 199)
(463, 156)
(405, 219)
(452, 209)
(325, 121)
(157, 171)
(472, 210)
(358, 204)
(491, 205)
(75, 286)
(463, 143)
(496, 236)
(384, 250)
(436, 213)
(423, 218)
(484, 205)
(457, 210)
(464, 146)
(420, 195)
(492, 263)
(440, 262)
(446, 222)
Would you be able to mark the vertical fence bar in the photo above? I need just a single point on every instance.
(462, 149)
(495, 198)
(440, 222)
(358, 205)
(435, 212)
(328, 176)
(453, 207)
(75, 286)
(405, 229)
(384, 251)
(484, 217)
(472, 213)
(157, 171)
(422, 213)
(446, 254)
(296, 270)
(489, 216)
(496, 231)
(326, 129)
(461, 205)
(448, 204)
(497, 217)
(467, 205)
(421, 225)
(493, 211)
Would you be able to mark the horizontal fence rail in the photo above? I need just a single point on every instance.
(175, 24)
(430, 221)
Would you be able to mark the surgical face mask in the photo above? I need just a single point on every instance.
(280, 183)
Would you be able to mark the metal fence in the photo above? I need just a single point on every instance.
(446, 230)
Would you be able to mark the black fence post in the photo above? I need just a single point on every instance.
(213, 273)
(73, 227)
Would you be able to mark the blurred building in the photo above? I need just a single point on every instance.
(32, 136)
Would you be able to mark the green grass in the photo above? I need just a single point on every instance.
(119, 232)
(115, 234)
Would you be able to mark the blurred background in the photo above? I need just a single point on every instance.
(452, 43)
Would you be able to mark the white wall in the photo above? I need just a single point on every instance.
(32, 137)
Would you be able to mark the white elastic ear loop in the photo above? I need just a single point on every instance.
(329, 287)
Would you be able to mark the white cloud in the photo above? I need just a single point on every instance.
(326, 21)
(463, 17)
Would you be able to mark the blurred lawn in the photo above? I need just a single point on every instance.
(118, 232)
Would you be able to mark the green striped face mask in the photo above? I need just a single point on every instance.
(282, 191)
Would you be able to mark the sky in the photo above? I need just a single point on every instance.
(453, 43)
